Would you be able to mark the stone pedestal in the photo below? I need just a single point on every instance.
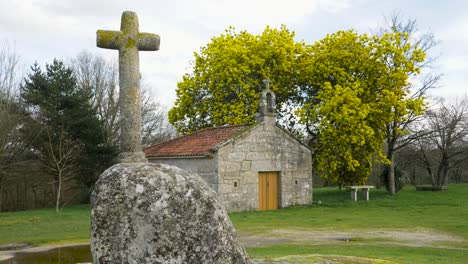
(155, 213)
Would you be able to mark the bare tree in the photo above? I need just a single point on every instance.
(100, 78)
(61, 160)
(445, 145)
(399, 132)
(11, 113)
(9, 72)
(156, 127)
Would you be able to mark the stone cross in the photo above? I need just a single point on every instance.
(267, 83)
(129, 41)
(267, 104)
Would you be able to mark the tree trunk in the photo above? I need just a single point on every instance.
(34, 193)
(25, 191)
(59, 192)
(1, 194)
(442, 171)
(434, 183)
(390, 171)
(413, 176)
(18, 199)
(391, 177)
(444, 180)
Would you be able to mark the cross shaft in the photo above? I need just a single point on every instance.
(128, 41)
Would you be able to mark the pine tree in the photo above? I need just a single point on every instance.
(69, 139)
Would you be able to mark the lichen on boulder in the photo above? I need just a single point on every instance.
(155, 213)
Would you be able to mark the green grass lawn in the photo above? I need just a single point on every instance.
(397, 254)
(445, 212)
(45, 226)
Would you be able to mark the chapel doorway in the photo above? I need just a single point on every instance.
(268, 191)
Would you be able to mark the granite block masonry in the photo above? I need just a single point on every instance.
(156, 213)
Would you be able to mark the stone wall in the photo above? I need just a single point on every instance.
(205, 167)
(265, 148)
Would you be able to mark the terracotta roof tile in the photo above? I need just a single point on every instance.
(199, 143)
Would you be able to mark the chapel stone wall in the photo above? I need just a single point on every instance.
(205, 167)
(264, 149)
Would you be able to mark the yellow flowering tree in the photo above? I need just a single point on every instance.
(356, 87)
(412, 107)
(226, 78)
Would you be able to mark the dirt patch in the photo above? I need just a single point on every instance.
(15, 246)
(323, 259)
(259, 241)
(8, 254)
(406, 237)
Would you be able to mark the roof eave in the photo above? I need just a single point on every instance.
(180, 157)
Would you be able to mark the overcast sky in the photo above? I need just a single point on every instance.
(41, 30)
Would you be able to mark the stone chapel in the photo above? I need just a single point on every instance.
(251, 167)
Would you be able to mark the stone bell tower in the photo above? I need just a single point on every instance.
(267, 107)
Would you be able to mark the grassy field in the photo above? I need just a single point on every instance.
(444, 211)
(397, 254)
(376, 228)
(432, 213)
(45, 226)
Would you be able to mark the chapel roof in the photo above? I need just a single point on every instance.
(199, 143)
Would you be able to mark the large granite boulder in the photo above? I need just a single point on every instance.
(155, 213)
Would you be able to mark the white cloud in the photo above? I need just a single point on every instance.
(253, 14)
(25, 17)
(44, 29)
(455, 29)
(82, 8)
(455, 63)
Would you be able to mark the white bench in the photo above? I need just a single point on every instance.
(364, 188)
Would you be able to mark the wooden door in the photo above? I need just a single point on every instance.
(268, 190)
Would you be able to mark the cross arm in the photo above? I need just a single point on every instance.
(108, 39)
(148, 41)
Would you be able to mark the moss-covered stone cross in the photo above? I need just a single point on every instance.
(129, 41)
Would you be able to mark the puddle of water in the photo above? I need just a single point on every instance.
(63, 255)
